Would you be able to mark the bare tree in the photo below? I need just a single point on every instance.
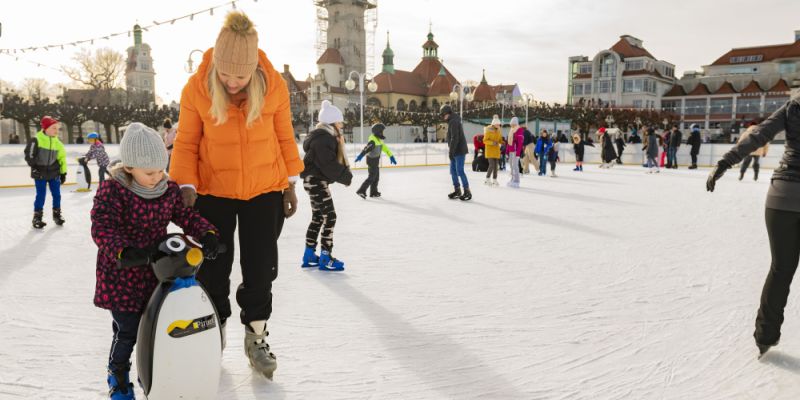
(102, 70)
(36, 88)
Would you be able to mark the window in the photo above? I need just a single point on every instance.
(746, 59)
(604, 86)
(634, 65)
(577, 88)
(670, 106)
(639, 86)
(787, 68)
(608, 66)
(412, 105)
(374, 102)
(401, 105)
(774, 103)
(721, 106)
(743, 70)
(695, 107)
(745, 105)
(585, 69)
(637, 104)
(587, 88)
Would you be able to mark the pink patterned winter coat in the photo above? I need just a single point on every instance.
(122, 219)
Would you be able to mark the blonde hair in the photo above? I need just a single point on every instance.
(256, 91)
(117, 169)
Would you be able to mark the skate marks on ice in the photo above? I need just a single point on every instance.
(438, 361)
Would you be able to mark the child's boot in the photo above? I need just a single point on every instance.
(37, 220)
(310, 258)
(57, 218)
(328, 263)
(119, 384)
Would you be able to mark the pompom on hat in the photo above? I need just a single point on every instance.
(329, 113)
(236, 49)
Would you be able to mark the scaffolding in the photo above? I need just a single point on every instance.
(370, 27)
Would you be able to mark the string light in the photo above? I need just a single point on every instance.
(155, 23)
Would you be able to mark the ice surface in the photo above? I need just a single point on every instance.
(597, 285)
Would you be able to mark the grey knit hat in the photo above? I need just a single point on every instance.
(142, 147)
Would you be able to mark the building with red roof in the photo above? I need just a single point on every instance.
(624, 75)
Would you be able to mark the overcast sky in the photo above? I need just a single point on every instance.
(526, 42)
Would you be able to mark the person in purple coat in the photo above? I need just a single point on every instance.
(130, 216)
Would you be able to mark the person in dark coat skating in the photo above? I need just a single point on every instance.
(673, 144)
(373, 151)
(694, 141)
(652, 142)
(782, 215)
(457, 150)
(620, 142)
(324, 163)
(607, 152)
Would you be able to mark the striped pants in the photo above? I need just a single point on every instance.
(323, 214)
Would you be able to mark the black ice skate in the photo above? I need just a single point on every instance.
(57, 218)
(466, 196)
(763, 348)
(37, 220)
(456, 194)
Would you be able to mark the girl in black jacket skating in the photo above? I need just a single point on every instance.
(324, 164)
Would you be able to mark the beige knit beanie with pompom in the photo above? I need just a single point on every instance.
(236, 50)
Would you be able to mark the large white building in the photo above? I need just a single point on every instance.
(625, 75)
(744, 84)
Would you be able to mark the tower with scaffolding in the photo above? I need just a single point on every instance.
(345, 42)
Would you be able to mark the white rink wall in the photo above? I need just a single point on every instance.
(14, 171)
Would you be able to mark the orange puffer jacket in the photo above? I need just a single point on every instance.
(230, 160)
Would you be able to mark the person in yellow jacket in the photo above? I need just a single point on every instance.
(492, 139)
(47, 158)
(236, 160)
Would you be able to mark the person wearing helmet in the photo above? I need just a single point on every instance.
(457, 149)
(373, 151)
(97, 152)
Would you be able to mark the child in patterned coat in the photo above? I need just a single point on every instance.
(130, 216)
(97, 152)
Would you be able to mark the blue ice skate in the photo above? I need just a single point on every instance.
(328, 263)
(310, 258)
(119, 384)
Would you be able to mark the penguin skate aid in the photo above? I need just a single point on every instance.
(179, 348)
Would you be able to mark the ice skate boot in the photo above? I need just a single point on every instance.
(57, 218)
(119, 384)
(456, 193)
(467, 195)
(310, 258)
(257, 349)
(763, 348)
(37, 220)
(328, 263)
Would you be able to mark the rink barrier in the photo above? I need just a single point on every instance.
(15, 173)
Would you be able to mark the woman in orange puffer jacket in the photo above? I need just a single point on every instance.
(235, 155)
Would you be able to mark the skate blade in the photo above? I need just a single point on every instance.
(267, 374)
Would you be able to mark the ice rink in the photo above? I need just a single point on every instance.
(606, 284)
